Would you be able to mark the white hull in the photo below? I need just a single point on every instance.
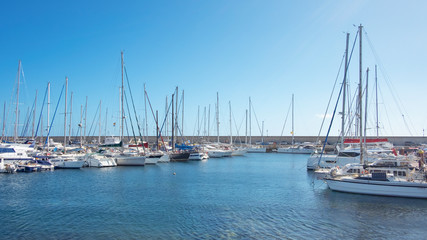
(257, 150)
(382, 188)
(295, 150)
(68, 164)
(198, 156)
(95, 160)
(239, 152)
(130, 160)
(152, 160)
(164, 159)
(219, 153)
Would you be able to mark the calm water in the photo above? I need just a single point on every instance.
(258, 196)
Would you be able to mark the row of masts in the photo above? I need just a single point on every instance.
(176, 129)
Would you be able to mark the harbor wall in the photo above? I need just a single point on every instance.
(270, 140)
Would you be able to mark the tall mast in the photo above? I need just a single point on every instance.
(176, 113)
(198, 121)
(71, 111)
(344, 92)
(209, 121)
(121, 101)
(204, 122)
(99, 136)
(17, 103)
(85, 121)
(246, 125)
(166, 117)
(146, 118)
(366, 106)
(376, 99)
(231, 129)
(106, 123)
(182, 117)
(81, 126)
(250, 122)
(65, 115)
(4, 121)
(262, 132)
(173, 126)
(48, 118)
(360, 95)
(34, 116)
(217, 116)
(293, 140)
(157, 130)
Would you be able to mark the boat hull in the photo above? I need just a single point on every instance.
(130, 161)
(381, 188)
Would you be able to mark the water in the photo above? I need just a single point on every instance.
(258, 196)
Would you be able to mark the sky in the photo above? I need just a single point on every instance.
(263, 50)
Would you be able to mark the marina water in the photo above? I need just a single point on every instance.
(257, 196)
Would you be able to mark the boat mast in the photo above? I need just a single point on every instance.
(204, 122)
(85, 121)
(344, 92)
(217, 116)
(231, 129)
(293, 139)
(121, 101)
(99, 136)
(81, 125)
(262, 132)
(65, 115)
(157, 130)
(360, 95)
(246, 126)
(376, 98)
(250, 122)
(209, 121)
(166, 117)
(182, 117)
(146, 118)
(198, 121)
(4, 121)
(17, 103)
(34, 115)
(71, 111)
(173, 125)
(48, 108)
(176, 113)
(366, 105)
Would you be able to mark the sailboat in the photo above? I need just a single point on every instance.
(348, 150)
(130, 157)
(383, 183)
(257, 148)
(296, 149)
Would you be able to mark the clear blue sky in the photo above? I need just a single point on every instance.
(266, 50)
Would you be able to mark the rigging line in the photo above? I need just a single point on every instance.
(131, 123)
(133, 104)
(256, 119)
(394, 93)
(54, 114)
(41, 113)
(237, 128)
(286, 120)
(386, 112)
(94, 118)
(127, 130)
(156, 120)
(330, 125)
(330, 98)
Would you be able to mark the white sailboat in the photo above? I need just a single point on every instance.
(296, 149)
(378, 183)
